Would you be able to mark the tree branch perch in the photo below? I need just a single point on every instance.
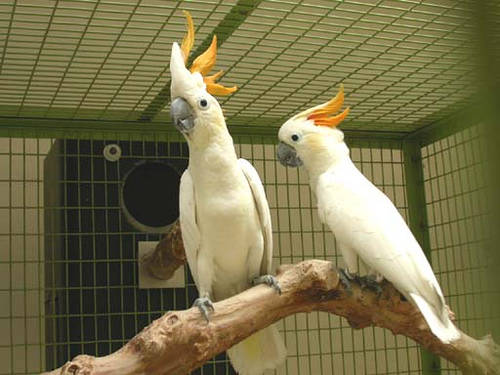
(181, 341)
(168, 255)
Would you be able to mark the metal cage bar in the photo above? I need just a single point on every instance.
(77, 74)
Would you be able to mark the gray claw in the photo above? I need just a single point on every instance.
(370, 282)
(204, 305)
(346, 278)
(268, 280)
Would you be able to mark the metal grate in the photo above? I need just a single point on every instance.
(93, 304)
(404, 64)
(80, 290)
(319, 343)
(458, 209)
(21, 255)
(399, 61)
(96, 71)
(90, 59)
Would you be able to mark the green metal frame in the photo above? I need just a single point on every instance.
(68, 128)
(130, 130)
(403, 62)
(406, 37)
(417, 212)
(465, 118)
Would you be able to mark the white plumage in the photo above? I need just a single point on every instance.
(224, 214)
(231, 245)
(366, 224)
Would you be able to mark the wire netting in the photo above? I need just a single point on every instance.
(96, 72)
(74, 274)
(458, 214)
(319, 343)
(405, 63)
(22, 341)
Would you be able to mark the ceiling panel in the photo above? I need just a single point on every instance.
(404, 64)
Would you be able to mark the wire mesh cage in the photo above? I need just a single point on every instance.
(77, 75)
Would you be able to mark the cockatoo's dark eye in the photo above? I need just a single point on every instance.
(295, 137)
(203, 103)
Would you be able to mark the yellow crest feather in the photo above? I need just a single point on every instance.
(188, 41)
(204, 62)
(320, 115)
(216, 88)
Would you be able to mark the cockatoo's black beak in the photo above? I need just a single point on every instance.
(288, 156)
(182, 115)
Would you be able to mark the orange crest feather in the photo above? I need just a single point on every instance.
(320, 116)
(204, 63)
(188, 41)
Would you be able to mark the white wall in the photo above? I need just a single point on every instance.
(21, 255)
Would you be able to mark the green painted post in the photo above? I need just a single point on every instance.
(415, 193)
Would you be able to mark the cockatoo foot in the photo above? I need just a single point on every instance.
(370, 282)
(346, 278)
(204, 304)
(269, 280)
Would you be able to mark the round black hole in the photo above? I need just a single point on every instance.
(112, 150)
(150, 195)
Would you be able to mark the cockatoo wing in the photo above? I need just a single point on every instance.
(189, 227)
(259, 196)
(363, 217)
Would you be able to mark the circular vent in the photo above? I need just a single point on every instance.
(150, 196)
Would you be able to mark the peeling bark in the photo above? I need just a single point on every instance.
(181, 341)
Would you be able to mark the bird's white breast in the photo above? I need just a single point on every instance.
(226, 215)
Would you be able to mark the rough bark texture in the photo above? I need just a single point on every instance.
(181, 341)
(168, 255)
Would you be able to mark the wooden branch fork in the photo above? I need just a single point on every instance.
(181, 341)
(168, 255)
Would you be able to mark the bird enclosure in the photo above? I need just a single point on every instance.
(90, 163)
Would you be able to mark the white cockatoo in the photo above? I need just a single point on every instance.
(224, 214)
(367, 226)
